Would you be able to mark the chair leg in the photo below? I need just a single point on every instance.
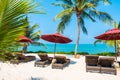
(100, 69)
(35, 64)
(43, 65)
(115, 73)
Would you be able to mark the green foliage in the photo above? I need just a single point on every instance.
(70, 53)
(105, 54)
(6, 56)
(109, 42)
(33, 33)
(62, 53)
(80, 53)
(12, 25)
(83, 53)
(83, 9)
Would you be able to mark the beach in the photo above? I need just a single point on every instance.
(61, 27)
(75, 71)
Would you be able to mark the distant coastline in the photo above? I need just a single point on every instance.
(90, 48)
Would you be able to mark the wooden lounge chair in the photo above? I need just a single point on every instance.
(45, 60)
(20, 58)
(60, 62)
(92, 63)
(107, 65)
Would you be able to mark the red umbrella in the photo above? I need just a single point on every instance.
(24, 39)
(56, 38)
(113, 34)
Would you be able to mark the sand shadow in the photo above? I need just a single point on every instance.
(72, 62)
(37, 78)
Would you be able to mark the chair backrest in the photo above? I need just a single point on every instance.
(60, 59)
(20, 56)
(43, 57)
(91, 60)
(106, 62)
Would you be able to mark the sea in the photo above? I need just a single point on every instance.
(90, 48)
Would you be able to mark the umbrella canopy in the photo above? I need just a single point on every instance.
(56, 38)
(113, 34)
(25, 39)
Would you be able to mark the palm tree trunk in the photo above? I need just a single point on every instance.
(115, 50)
(118, 48)
(78, 36)
(25, 48)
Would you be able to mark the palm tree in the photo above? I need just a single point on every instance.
(111, 42)
(33, 33)
(12, 25)
(82, 9)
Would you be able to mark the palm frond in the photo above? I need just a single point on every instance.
(106, 2)
(64, 21)
(63, 13)
(115, 25)
(63, 5)
(83, 26)
(33, 33)
(12, 13)
(86, 5)
(119, 25)
(39, 44)
(103, 16)
(97, 41)
(35, 36)
(88, 16)
(97, 2)
(108, 42)
(35, 26)
(69, 2)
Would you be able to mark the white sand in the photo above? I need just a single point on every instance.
(75, 71)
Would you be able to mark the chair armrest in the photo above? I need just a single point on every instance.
(53, 61)
(68, 60)
(50, 58)
(115, 65)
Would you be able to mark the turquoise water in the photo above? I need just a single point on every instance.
(90, 48)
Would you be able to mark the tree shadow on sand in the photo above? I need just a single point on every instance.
(72, 62)
(36, 78)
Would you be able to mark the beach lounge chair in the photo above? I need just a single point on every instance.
(107, 65)
(45, 60)
(60, 62)
(92, 63)
(22, 58)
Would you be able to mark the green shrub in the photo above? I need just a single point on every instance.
(61, 52)
(7, 56)
(80, 53)
(105, 54)
(83, 53)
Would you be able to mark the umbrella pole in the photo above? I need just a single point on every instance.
(54, 49)
(115, 50)
(24, 48)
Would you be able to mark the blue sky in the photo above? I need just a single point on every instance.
(48, 26)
